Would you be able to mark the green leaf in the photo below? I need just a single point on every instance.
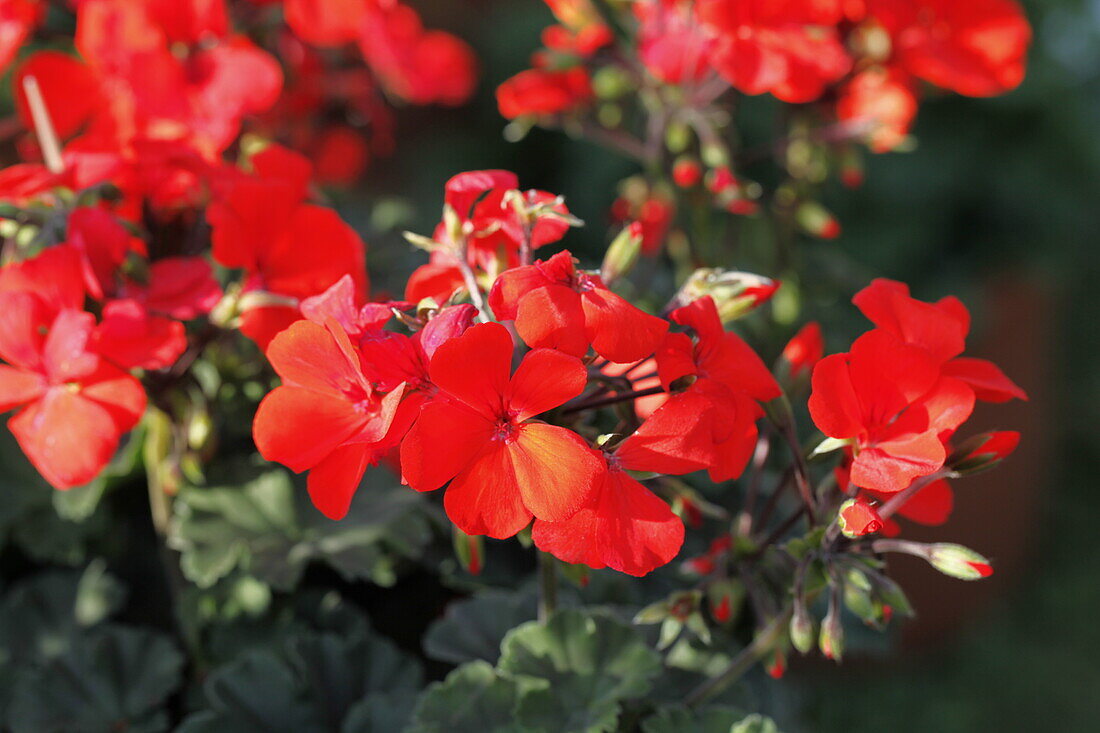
(311, 684)
(755, 724)
(583, 664)
(713, 719)
(267, 528)
(40, 616)
(112, 678)
(216, 529)
(474, 627)
(381, 712)
(474, 698)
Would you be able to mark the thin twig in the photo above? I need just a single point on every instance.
(548, 586)
(43, 126)
(613, 399)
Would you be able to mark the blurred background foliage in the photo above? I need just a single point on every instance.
(999, 203)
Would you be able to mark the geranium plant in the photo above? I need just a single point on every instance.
(629, 497)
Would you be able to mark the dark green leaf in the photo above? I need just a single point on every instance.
(474, 627)
(311, 684)
(582, 666)
(707, 720)
(112, 678)
(474, 698)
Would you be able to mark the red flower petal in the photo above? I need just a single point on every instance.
(485, 499)
(131, 338)
(68, 438)
(288, 414)
(988, 381)
(552, 317)
(626, 528)
(444, 440)
(554, 470)
(333, 481)
(18, 387)
(618, 330)
(834, 407)
(544, 380)
(475, 368)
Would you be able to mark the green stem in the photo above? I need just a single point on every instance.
(548, 586)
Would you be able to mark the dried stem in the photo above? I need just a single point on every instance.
(548, 586)
(43, 126)
(471, 286)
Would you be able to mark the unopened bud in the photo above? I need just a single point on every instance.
(831, 638)
(777, 665)
(958, 561)
(470, 551)
(724, 598)
(802, 352)
(983, 452)
(735, 294)
(622, 253)
(857, 518)
(802, 628)
(721, 179)
(678, 137)
(686, 172)
(610, 82)
(817, 221)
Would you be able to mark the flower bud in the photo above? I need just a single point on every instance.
(686, 172)
(678, 137)
(736, 294)
(611, 82)
(470, 551)
(777, 665)
(958, 561)
(802, 628)
(802, 352)
(724, 598)
(858, 518)
(983, 452)
(622, 253)
(817, 221)
(831, 638)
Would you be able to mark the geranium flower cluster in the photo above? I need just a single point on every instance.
(895, 401)
(852, 71)
(518, 445)
(160, 89)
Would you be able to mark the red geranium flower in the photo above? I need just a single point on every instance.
(940, 329)
(790, 48)
(977, 48)
(891, 401)
(478, 433)
(75, 406)
(709, 421)
(540, 92)
(325, 396)
(555, 305)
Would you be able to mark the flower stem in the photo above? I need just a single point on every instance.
(614, 399)
(548, 586)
